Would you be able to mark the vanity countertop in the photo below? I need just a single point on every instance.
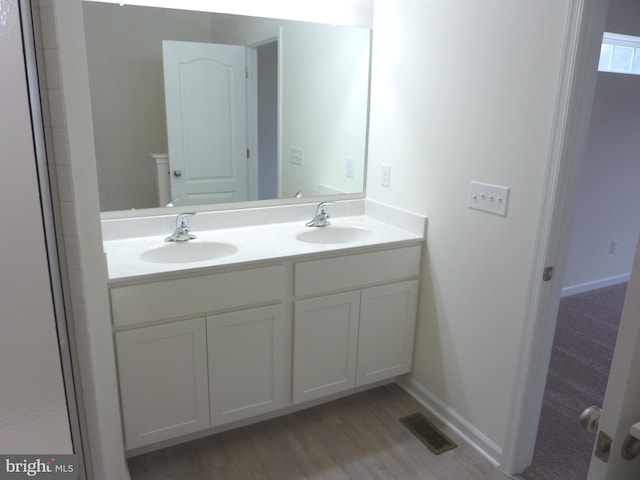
(250, 244)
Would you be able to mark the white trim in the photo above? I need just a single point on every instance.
(619, 39)
(529, 380)
(595, 284)
(252, 123)
(280, 108)
(568, 144)
(471, 435)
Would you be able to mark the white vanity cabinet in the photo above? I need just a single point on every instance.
(163, 381)
(247, 362)
(361, 334)
(325, 342)
(184, 368)
(204, 350)
(387, 327)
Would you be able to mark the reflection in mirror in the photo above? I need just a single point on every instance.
(163, 135)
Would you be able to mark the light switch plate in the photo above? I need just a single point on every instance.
(349, 167)
(385, 175)
(489, 198)
(296, 156)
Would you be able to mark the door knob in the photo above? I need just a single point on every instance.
(177, 173)
(631, 445)
(590, 418)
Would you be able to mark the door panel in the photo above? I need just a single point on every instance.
(385, 335)
(205, 93)
(163, 381)
(621, 407)
(246, 363)
(325, 342)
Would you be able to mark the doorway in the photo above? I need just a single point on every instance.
(604, 204)
(267, 151)
(581, 356)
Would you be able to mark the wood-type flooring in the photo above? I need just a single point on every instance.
(356, 437)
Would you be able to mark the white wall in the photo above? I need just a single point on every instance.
(340, 12)
(466, 91)
(607, 206)
(33, 410)
(72, 150)
(127, 95)
(325, 73)
(440, 120)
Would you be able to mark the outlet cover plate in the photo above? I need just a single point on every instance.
(489, 198)
(349, 168)
(385, 175)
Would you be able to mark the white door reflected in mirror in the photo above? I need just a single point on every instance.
(205, 94)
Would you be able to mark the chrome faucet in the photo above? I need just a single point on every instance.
(321, 218)
(181, 233)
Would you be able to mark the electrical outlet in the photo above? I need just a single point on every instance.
(349, 167)
(614, 246)
(385, 175)
(489, 198)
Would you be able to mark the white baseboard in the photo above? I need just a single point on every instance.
(471, 435)
(594, 285)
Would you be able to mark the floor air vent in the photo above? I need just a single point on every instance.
(428, 433)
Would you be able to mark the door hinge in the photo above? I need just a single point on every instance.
(246, 72)
(547, 274)
(248, 153)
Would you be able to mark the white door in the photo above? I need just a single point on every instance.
(621, 406)
(205, 94)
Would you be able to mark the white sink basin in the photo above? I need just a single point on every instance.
(334, 234)
(188, 252)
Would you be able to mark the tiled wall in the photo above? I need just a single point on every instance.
(70, 151)
(63, 200)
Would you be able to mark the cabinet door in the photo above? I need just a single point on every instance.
(387, 324)
(246, 362)
(325, 344)
(163, 381)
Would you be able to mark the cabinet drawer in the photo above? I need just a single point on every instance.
(355, 271)
(192, 296)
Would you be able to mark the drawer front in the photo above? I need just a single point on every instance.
(184, 297)
(355, 271)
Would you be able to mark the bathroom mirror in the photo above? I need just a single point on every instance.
(306, 107)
